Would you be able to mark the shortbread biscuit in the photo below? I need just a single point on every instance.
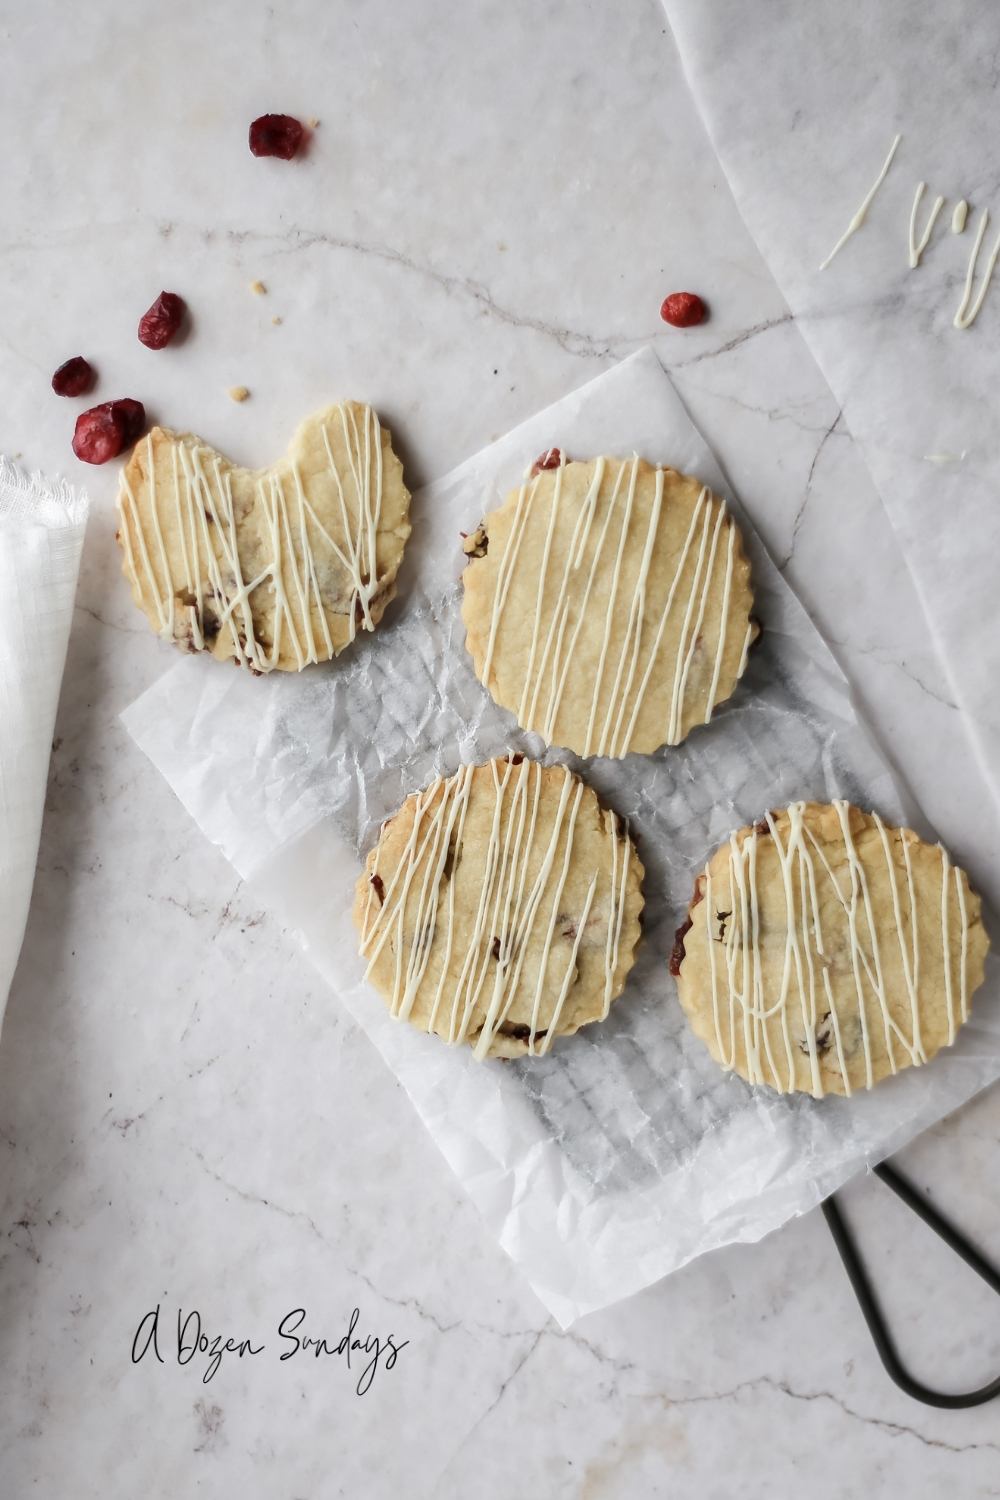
(607, 605)
(271, 568)
(825, 950)
(500, 907)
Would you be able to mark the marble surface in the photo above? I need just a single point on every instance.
(496, 199)
(801, 133)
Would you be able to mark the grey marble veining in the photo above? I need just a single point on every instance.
(497, 200)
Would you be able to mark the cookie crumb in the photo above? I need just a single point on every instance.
(276, 320)
(238, 393)
(258, 288)
(313, 123)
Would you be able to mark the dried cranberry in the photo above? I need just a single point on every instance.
(99, 434)
(677, 954)
(103, 431)
(74, 378)
(550, 459)
(158, 326)
(276, 135)
(134, 414)
(683, 310)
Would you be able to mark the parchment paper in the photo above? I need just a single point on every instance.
(626, 1151)
(802, 104)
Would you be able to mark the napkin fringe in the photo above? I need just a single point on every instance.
(35, 497)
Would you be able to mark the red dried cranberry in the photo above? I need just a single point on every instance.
(677, 954)
(276, 135)
(99, 434)
(550, 459)
(134, 414)
(74, 378)
(158, 326)
(683, 310)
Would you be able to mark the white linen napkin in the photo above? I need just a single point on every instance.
(42, 524)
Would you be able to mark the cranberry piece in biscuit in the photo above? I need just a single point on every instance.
(550, 459)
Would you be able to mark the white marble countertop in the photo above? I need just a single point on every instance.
(496, 200)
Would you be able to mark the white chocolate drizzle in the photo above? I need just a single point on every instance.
(209, 593)
(866, 203)
(918, 246)
(414, 914)
(802, 999)
(970, 305)
(626, 676)
(968, 308)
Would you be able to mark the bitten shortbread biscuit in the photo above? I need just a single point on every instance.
(272, 568)
(824, 950)
(607, 604)
(500, 907)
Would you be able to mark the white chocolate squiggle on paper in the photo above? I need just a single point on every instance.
(416, 908)
(918, 246)
(210, 593)
(970, 305)
(626, 678)
(866, 203)
(968, 308)
(741, 1007)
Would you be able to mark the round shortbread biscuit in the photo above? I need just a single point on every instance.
(825, 950)
(500, 907)
(272, 568)
(608, 605)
